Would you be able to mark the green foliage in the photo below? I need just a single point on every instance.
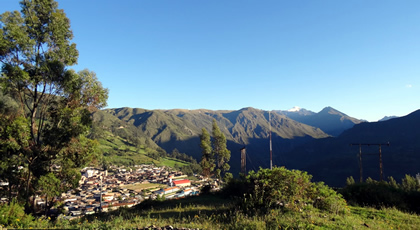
(369, 180)
(404, 196)
(228, 177)
(7, 104)
(160, 198)
(214, 212)
(49, 185)
(207, 159)
(392, 182)
(182, 156)
(410, 184)
(220, 152)
(289, 190)
(14, 140)
(13, 215)
(154, 155)
(350, 180)
(119, 151)
(328, 200)
(55, 103)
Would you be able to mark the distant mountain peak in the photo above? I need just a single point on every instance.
(388, 118)
(331, 110)
(294, 109)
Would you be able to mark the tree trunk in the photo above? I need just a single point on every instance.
(28, 183)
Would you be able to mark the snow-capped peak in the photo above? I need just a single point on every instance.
(294, 109)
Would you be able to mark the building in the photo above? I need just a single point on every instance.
(167, 190)
(182, 183)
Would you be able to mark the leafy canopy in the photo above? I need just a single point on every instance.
(54, 103)
(220, 151)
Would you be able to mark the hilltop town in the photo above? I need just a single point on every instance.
(106, 190)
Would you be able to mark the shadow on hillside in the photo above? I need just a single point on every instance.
(257, 149)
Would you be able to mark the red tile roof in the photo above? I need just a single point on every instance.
(184, 181)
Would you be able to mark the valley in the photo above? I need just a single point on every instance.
(296, 144)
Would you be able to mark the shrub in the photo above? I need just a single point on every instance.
(375, 195)
(291, 190)
(13, 215)
(404, 196)
(328, 200)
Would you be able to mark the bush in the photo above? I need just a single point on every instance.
(291, 190)
(328, 200)
(13, 215)
(375, 195)
(404, 196)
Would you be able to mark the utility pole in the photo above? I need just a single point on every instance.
(360, 163)
(271, 149)
(243, 161)
(100, 192)
(381, 174)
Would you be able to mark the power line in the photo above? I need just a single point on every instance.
(243, 161)
(380, 158)
(271, 148)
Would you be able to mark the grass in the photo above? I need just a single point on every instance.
(170, 162)
(118, 151)
(214, 212)
(192, 178)
(139, 187)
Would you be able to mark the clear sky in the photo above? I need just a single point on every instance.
(360, 57)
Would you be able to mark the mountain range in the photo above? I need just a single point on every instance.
(180, 129)
(301, 139)
(329, 120)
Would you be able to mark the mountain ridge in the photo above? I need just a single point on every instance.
(335, 155)
(329, 120)
(295, 145)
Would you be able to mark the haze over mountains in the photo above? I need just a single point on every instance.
(302, 139)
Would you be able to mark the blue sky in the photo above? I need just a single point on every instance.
(360, 57)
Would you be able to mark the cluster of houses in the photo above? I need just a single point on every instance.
(105, 190)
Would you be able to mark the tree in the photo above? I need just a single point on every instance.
(50, 187)
(161, 152)
(350, 180)
(14, 139)
(409, 183)
(55, 103)
(207, 159)
(392, 182)
(175, 153)
(220, 151)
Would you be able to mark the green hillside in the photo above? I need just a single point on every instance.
(157, 130)
(121, 143)
(170, 129)
(238, 126)
(118, 151)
